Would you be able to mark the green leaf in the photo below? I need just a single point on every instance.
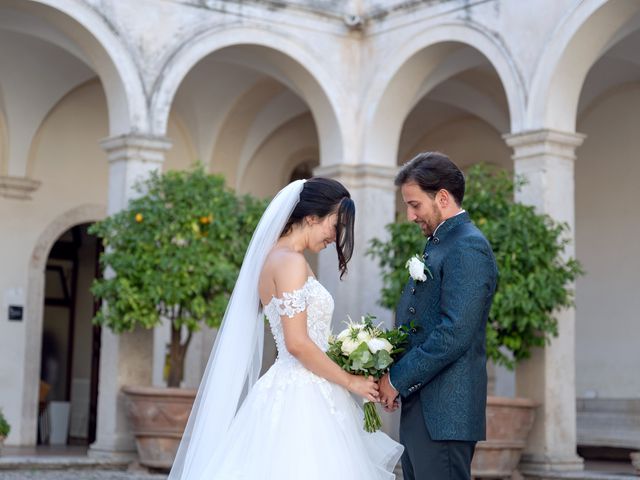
(382, 360)
(361, 358)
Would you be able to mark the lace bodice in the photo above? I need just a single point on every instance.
(313, 298)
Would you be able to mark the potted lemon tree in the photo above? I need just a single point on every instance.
(534, 280)
(172, 256)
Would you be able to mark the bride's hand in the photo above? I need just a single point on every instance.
(366, 387)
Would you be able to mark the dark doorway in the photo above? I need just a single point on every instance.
(70, 342)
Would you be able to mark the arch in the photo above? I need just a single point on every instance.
(268, 170)
(107, 54)
(36, 137)
(34, 309)
(296, 67)
(232, 136)
(584, 34)
(398, 87)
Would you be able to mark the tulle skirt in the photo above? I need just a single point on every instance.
(296, 425)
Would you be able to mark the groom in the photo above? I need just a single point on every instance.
(441, 378)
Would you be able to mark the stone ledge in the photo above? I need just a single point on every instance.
(18, 188)
(582, 475)
(608, 422)
(59, 463)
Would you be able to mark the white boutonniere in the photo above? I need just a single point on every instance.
(417, 269)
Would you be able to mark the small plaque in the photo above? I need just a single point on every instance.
(15, 313)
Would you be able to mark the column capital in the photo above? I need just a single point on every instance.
(534, 143)
(135, 146)
(18, 188)
(360, 175)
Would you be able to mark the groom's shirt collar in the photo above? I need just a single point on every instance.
(445, 221)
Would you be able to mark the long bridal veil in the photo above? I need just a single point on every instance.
(236, 357)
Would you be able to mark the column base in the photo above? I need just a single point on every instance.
(536, 464)
(119, 449)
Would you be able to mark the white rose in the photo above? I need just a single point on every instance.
(377, 344)
(349, 345)
(344, 334)
(363, 336)
(416, 269)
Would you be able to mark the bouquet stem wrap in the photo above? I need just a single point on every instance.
(372, 421)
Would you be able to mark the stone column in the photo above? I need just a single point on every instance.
(546, 159)
(127, 358)
(373, 192)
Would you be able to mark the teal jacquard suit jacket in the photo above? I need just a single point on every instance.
(445, 362)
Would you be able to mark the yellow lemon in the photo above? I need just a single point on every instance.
(139, 217)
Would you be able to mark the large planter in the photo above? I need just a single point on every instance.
(509, 421)
(635, 461)
(158, 417)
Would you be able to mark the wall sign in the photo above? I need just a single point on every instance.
(15, 313)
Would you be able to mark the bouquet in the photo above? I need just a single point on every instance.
(368, 350)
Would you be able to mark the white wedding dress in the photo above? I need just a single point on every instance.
(296, 425)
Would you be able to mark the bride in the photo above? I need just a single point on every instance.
(298, 421)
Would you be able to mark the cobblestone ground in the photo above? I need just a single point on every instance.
(77, 475)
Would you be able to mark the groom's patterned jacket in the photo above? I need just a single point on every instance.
(445, 362)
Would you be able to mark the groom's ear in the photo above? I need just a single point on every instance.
(444, 198)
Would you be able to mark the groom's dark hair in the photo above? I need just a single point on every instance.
(433, 171)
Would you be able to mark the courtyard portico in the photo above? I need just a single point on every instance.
(95, 95)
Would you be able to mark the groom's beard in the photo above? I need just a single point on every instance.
(429, 225)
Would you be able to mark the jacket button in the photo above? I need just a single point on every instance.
(413, 290)
(414, 330)
(412, 310)
(436, 240)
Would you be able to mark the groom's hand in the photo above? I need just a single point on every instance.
(394, 407)
(388, 394)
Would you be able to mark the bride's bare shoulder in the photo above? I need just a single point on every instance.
(282, 261)
(285, 269)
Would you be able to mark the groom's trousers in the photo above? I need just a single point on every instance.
(427, 459)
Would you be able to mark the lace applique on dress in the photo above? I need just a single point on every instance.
(291, 303)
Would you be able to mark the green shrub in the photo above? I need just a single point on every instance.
(5, 428)
(534, 277)
(175, 252)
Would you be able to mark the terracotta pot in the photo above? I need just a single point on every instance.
(158, 417)
(509, 421)
(635, 461)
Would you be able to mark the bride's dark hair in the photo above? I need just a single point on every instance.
(321, 197)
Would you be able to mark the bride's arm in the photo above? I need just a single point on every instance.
(290, 276)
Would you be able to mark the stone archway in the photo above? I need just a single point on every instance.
(34, 309)
(584, 35)
(423, 62)
(295, 67)
(107, 55)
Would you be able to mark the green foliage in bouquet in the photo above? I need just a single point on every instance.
(367, 350)
(362, 360)
(534, 275)
(5, 428)
(174, 253)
